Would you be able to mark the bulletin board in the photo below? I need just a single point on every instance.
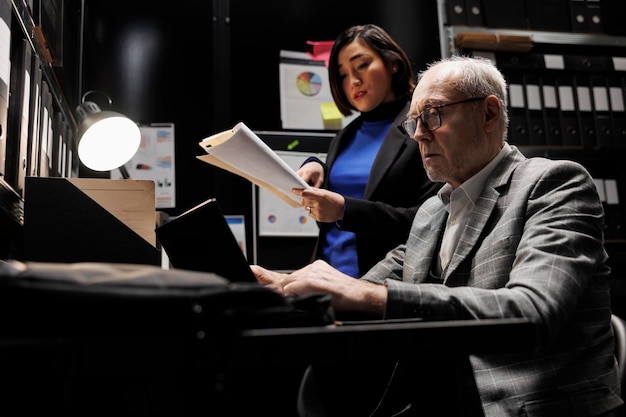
(277, 218)
(284, 237)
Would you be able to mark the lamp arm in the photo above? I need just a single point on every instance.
(124, 172)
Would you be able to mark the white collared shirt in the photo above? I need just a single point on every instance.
(459, 203)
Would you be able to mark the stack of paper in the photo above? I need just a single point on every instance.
(243, 153)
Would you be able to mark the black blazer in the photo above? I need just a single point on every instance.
(396, 187)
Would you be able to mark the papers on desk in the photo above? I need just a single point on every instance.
(130, 201)
(90, 220)
(240, 151)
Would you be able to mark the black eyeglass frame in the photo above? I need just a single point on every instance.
(436, 108)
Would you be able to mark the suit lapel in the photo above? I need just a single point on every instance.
(482, 210)
(395, 141)
(421, 248)
(339, 143)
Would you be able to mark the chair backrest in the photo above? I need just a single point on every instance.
(619, 329)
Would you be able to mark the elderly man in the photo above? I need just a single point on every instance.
(507, 236)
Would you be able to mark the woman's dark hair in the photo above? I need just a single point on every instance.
(379, 40)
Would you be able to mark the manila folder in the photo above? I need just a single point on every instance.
(243, 153)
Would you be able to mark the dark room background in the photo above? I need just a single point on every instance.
(205, 65)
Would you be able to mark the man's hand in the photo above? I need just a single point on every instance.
(348, 293)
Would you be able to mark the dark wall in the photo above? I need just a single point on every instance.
(260, 29)
(154, 60)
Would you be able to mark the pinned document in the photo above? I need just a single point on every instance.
(304, 88)
(155, 161)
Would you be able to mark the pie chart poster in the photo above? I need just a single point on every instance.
(304, 91)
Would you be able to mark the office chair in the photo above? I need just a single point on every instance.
(619, 329)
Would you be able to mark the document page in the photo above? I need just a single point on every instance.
(243, 153)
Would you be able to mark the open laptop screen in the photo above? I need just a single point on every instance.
(200, 239)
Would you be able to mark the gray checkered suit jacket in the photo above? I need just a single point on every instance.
(532, 248)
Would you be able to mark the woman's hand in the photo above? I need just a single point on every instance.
(312, 173)
(323, 205)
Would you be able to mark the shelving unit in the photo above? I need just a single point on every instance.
(25, 20)
(553, 38)
(448, 32)
(602, 161)
(24, 26)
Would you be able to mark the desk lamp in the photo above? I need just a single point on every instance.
(106, 139)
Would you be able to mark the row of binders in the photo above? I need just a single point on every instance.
(608, 191)
(36, 137)
(565, 100)
(579, 16)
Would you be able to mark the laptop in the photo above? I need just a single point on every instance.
(200, 239)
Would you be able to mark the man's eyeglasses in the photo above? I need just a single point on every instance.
(430, 117)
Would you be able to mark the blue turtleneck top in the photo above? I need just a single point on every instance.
(349, 175)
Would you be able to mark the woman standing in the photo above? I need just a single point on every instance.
(373, 181)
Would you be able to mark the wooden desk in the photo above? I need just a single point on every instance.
(149, 347)
(357, 341)
(242, 373)
(435, 352)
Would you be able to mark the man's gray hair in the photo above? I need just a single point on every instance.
(480, 78)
